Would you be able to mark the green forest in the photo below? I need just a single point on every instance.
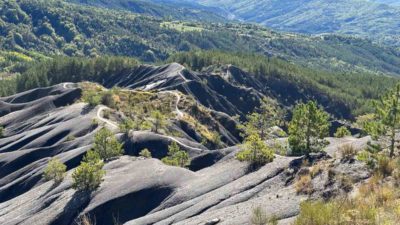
(355, 90)
(55, 27)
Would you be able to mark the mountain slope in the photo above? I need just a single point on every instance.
(166, 9)
(355, 17)
(56, 122)
(53, 28)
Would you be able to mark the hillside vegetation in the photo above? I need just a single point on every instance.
(55, 27)
(354, 17)
(167, 9)
(353, 89)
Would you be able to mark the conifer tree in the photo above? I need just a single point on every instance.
(55, 170)
(159, 121)
(308, 127)
(255, 151)
(107, 145)
(89, 174)
(265, 117)
(386, 119)
(176, 156)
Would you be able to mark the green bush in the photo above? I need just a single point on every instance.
(176, 156)
(107, 145)
(93, 98)
(318, 213)
(55, 170)
(145, 153)
(127, 125)
(342, 132)
(89, 174)
(255, 151)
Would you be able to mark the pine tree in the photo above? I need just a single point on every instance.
(307, 128)
(255, 151)
(387, 117)
(107, 145)
(159, 121)
(265, 117)
(1, 131)
(176, 156)
(55, 170)
(89, 174)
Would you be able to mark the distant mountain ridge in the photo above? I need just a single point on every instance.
(173, 9)
(376, 19)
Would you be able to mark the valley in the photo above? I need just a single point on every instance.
(140, 112)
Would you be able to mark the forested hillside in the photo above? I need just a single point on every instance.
(368, 19)
(167, 9)
(54, 27)
(354, 91)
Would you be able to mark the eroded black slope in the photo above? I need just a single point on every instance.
(232, 91)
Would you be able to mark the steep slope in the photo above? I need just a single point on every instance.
(355, 17)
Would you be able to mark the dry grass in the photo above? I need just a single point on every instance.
(304, 185)
(316, 170)
(347, 152)
(385, 166)
(85, 220)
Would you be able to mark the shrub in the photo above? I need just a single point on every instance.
(176, 157)
(127, 125)
(255, 151)
(89, 174)
(258, 217)
(342, 132)
(92, 98)
(108, 99)
(304, 185)
(1, 131)
(55, 170)
(107, 145)
(367, 157)
(319, 213)
(145, 153)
